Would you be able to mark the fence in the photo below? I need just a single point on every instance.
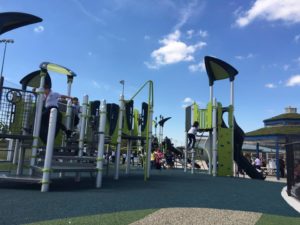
(17, 109)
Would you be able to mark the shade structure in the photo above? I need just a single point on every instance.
(162, 122)
(33, 80)
(12, 20)
(57, 68)
(217, 69)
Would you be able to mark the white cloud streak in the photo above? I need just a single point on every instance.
(88, 13)
(293, 81)
(39, 29)
(240, 57)
(271, 10)
(270, 86)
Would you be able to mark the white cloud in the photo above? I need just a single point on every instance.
(240, 57)
(271, 10)
(187, 102)
(190, 34)
(203, 33)
(38, 29)
(173, 51)
(270, 85)
(197, 67)
(103, 86)
(88, 13)
(297, 38)
(185, 14)
(293, 81)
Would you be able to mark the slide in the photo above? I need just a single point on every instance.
(241, 161)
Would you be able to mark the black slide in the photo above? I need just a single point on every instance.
(241, 161)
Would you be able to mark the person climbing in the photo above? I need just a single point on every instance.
(192, 135)
(51, 101)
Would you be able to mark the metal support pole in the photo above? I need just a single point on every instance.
(185, 152)
(235, 170)
(129, 146)
(193, 161)
(69, 115)
(101, 144)
(277, 161)
(214, 137)
(37, 120)
(69, 87)
(16, 152)
(83, 124)
(148, 163)
(10, 150)
(119, 140)
(211, 96)
(49, 150)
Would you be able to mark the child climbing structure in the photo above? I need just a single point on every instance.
(225, 139)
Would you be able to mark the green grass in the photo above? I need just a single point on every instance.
(267, 219)
(120, 218)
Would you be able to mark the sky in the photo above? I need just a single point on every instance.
(165, 41)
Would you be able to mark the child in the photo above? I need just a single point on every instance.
(192, 135)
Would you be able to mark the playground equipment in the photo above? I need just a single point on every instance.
(99, 125)
(224, 141)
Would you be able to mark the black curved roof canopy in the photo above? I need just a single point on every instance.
(33, 80)
(13, 20)
(218, 70)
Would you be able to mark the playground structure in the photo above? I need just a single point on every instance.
(101, 125)
(225, 140)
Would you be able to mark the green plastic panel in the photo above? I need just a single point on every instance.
(136, 114)
(225, 146)
(208, 122)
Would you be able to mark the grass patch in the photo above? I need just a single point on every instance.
(267, 219)
(118, 218)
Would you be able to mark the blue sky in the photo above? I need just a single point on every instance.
(165, 41)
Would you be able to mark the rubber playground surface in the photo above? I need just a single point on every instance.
(21, 204)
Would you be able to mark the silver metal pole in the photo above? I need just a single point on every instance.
(69, 88)
(69, 115)
(101, 144)
(211, 96)
(193, 161)
(185, 152)
(37, 121)
(119, 140)
(214, 135)
(49, 150)
(149, 142)
(6, 41)
(232, 140)
(10, 150)
(83, 124)
(129, 146)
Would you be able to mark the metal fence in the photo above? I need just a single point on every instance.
(17, 112)
(293, 169)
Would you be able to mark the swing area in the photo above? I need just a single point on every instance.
(34, 150)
